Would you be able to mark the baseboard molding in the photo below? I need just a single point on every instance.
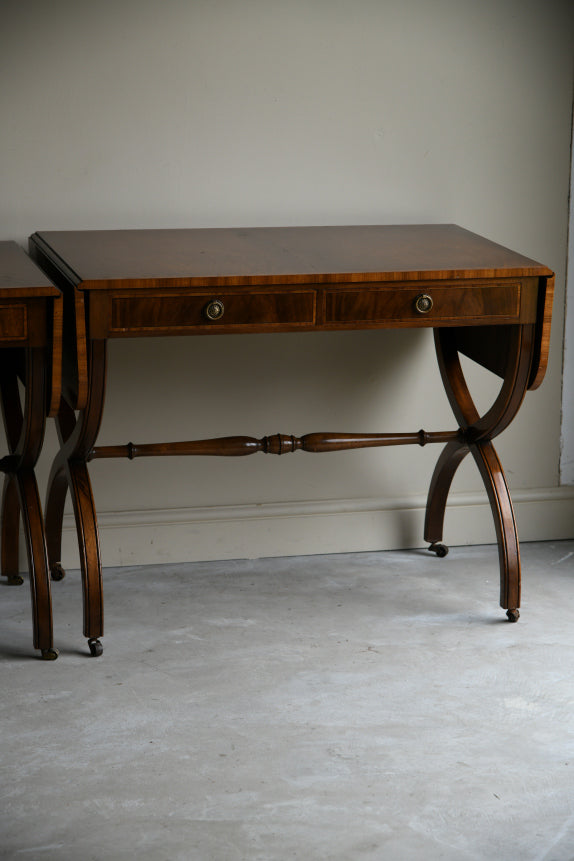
(305, 528)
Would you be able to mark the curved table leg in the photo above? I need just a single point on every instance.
(37, 563)
(452, 455)
(10, 531)
(70, 472)
(54, 516)
(25, 434)
(89, 545)
(476, 435)
(505, 524)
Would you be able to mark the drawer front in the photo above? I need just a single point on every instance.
(13, 323)
(180, 312)
(423, 305)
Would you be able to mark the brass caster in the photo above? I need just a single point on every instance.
(49, 654)
(96, 647)
(14, 579)
(56, 571)
(438, 548)
(513, 615)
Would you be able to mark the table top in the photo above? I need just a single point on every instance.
(107, 259)
(20, 277)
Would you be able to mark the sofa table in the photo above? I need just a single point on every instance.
(482, 300)
(30, 328)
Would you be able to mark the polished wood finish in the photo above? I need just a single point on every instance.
(481, 299)
(30, 327)
(476, 436)
(131, 259)
(238, 446)
(543, 324)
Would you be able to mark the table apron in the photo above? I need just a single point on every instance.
(23, 322)
(286, 308)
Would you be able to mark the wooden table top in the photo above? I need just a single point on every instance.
(107, 259)
(20, 277)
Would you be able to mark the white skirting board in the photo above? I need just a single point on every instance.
(305, 528)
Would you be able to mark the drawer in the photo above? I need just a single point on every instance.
(13, 323)
(424, 305)
(182, 312)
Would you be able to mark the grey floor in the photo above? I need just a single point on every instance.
(362, 706)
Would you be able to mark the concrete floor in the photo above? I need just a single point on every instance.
(362, 706)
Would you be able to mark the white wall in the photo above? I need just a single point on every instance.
(259, 112)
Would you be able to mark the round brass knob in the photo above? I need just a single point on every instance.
(214, 309)
(423, 303)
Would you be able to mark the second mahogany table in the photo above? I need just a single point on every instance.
(482, 300)
(30, 339)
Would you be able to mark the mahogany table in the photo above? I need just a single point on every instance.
(30, 325)
(481, 299)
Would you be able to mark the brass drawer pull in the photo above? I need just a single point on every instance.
(214, 309)
(423, 303)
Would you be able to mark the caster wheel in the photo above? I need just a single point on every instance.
(57, 572)
(441, 550)
(14, 579)
(96, 647)
(49, 654)
(513, 615)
